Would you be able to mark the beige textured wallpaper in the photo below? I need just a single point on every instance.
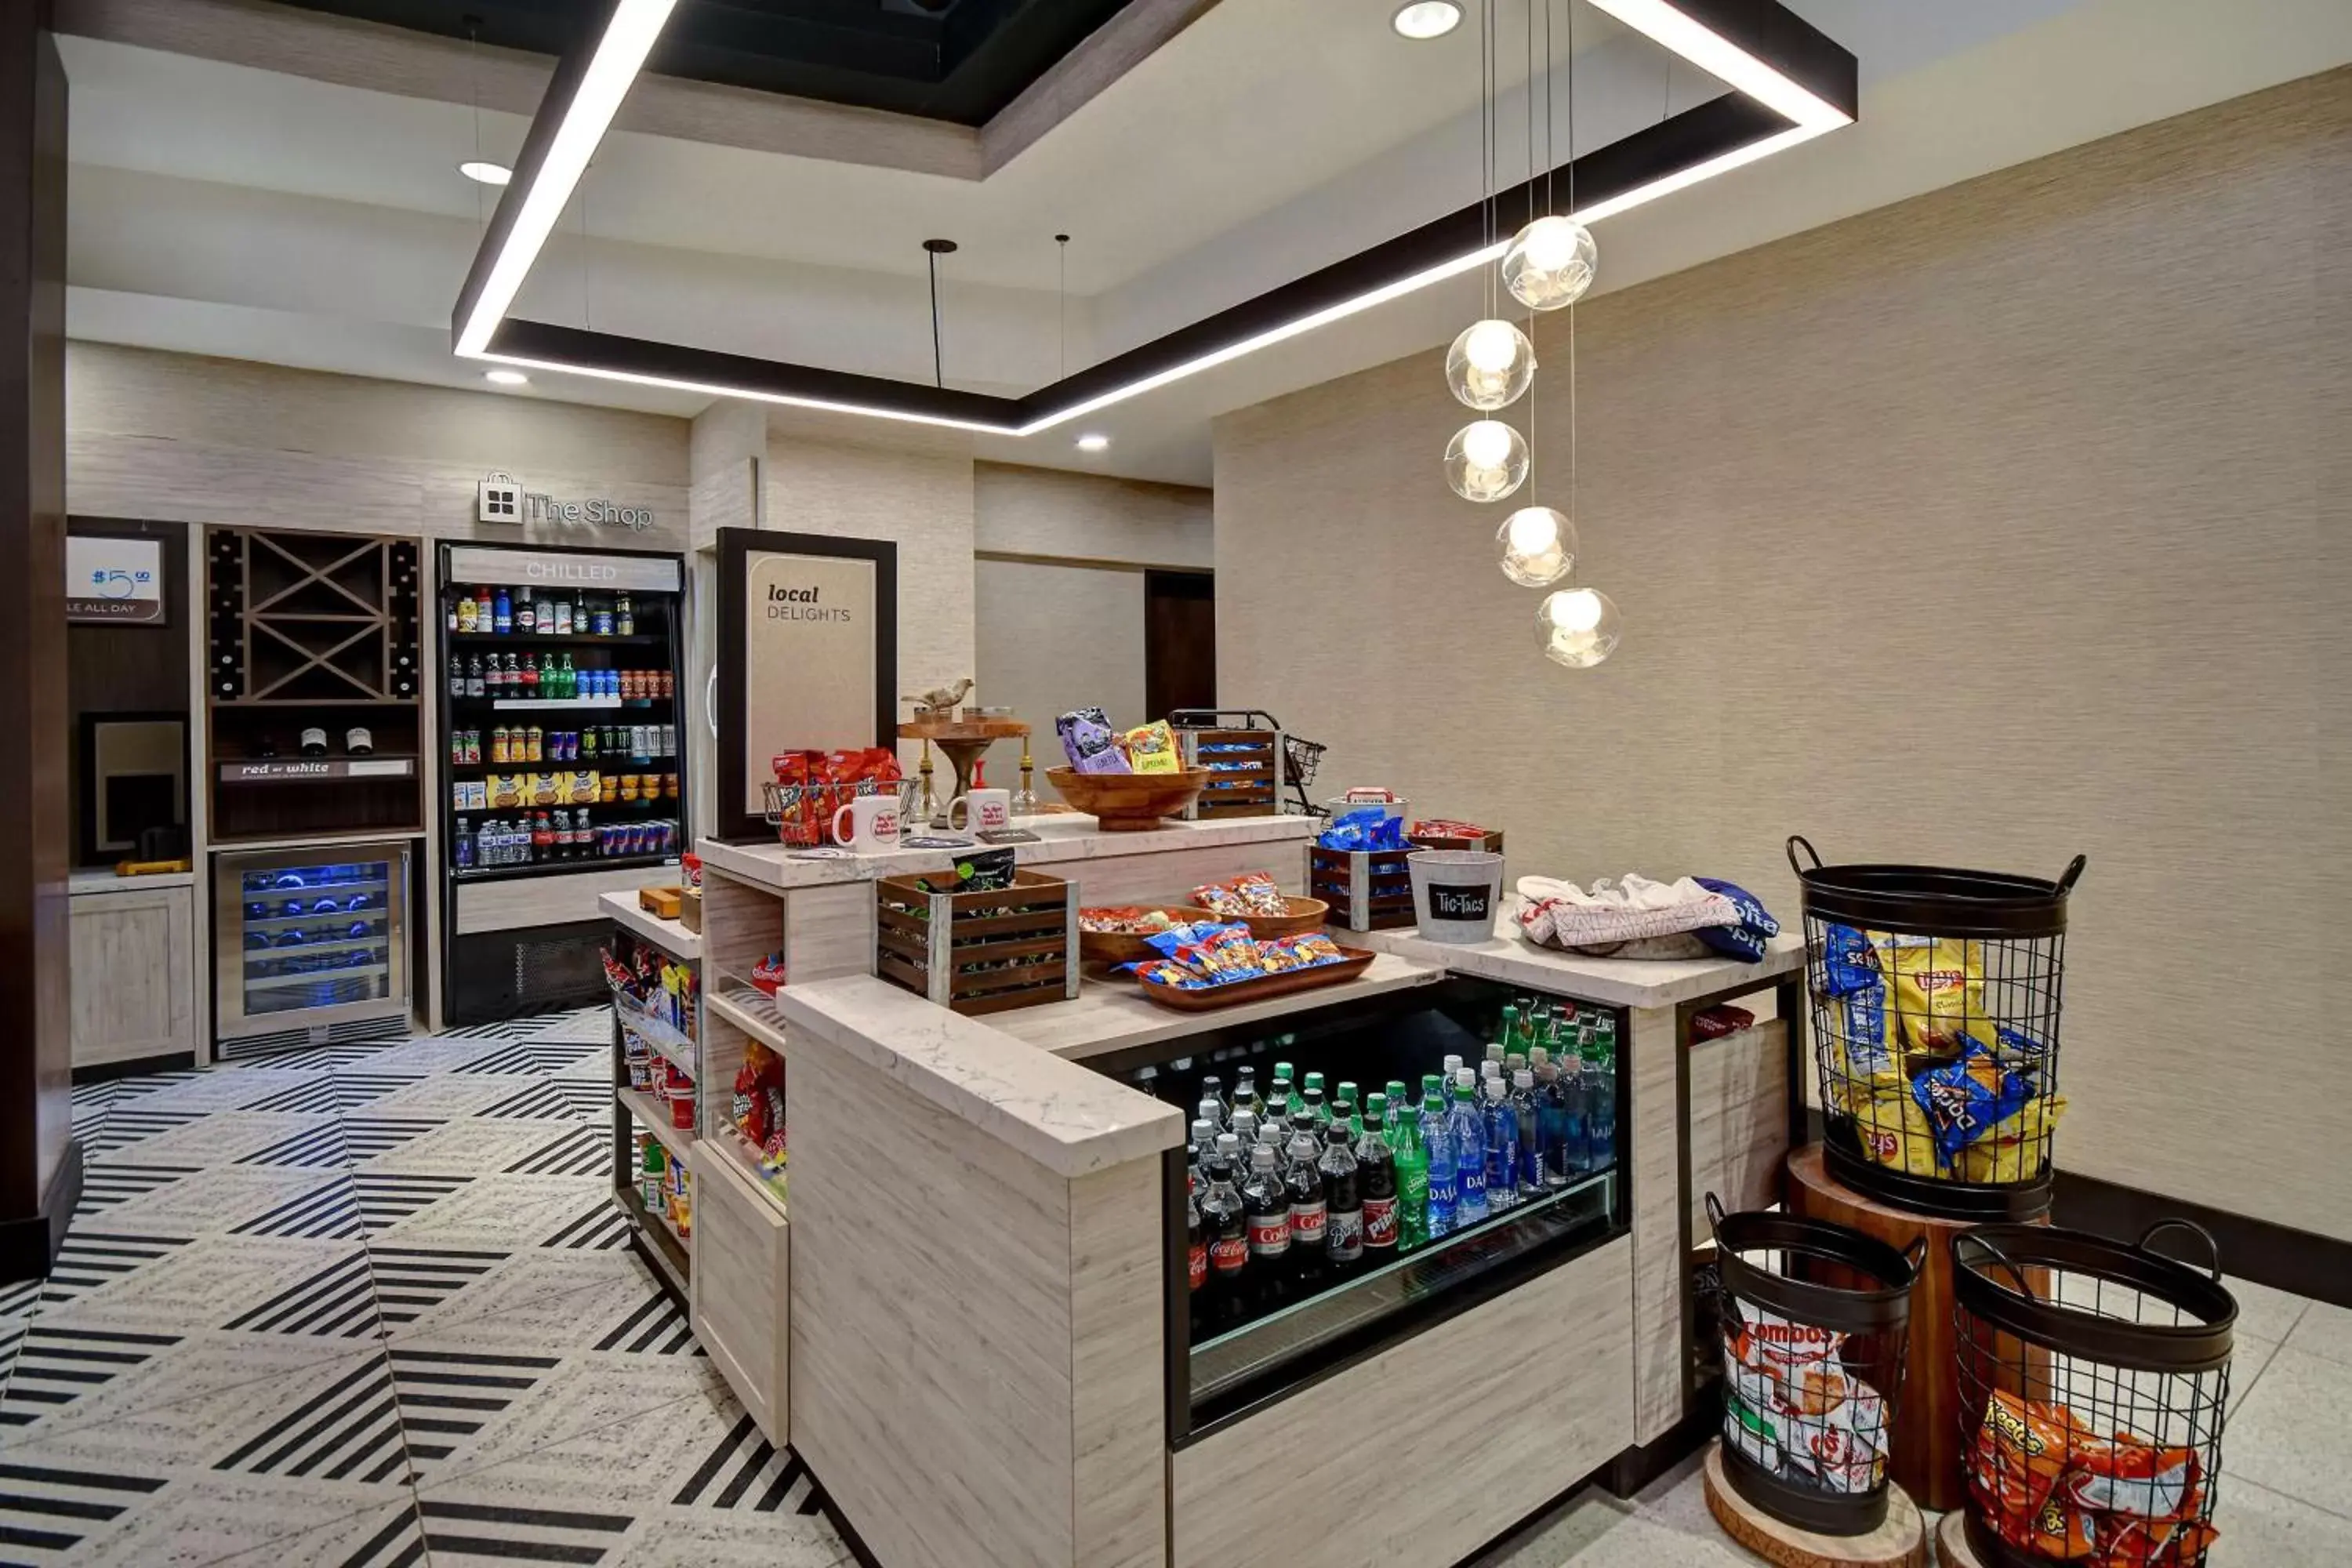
(193, 439)
(2001, 525)
(1022, 510)
(1052, 638)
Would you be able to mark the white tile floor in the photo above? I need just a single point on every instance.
(367, 1308)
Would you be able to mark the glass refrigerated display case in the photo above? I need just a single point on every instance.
(1246, 1326)
(311, 939)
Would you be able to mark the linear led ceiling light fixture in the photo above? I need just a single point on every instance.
(1791, 83)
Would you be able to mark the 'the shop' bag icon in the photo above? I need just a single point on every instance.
(501, 498)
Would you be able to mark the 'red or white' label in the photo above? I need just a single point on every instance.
(1269, 1236)
(1307, 1224)
(1198, 1264)
(1380, 1222)
(1229, 1254)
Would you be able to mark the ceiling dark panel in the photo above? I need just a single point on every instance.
(958, 60)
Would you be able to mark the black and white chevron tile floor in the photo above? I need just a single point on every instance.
(368, 1307)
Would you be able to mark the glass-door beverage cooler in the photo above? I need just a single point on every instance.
(561, 687)
(1276, 1275)
(311, 939)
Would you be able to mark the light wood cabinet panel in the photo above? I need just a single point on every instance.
(134, 974)
(1367, 1468)
(742, 1290)
(1738, 1120)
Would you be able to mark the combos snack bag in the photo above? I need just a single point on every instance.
(1794, 1408)
(2049, 1485)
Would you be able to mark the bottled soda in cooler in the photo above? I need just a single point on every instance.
(1311, 1102)
(1205, 1141)
(1502, 1149)
(1265, 1198)
(1377, 1168)
(1343, 1197)
(1309, 1213)
(1437, 1149)
(1599, 1045)
(1523, 1107)
(1467, 1132)
(1403, 1127)
(1212, 1092)
(1244, 1127)
(1225, 1219)
(1285, 1091)
(1354, 1101)
(1245, 1092)
(1196, 1253)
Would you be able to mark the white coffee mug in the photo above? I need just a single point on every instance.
(873, 823)
(984, 810)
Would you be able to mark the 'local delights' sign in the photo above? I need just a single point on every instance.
(809, 667)
(503, 500)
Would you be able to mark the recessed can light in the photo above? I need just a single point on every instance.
(506, 378)
(1427, 19)
(1094, 443)
(485, 174)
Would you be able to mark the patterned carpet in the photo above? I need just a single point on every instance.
(368, 1306)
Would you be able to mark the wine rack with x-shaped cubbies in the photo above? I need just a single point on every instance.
(313, 632)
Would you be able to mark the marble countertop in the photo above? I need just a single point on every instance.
(1063, 839)
(668, 935)
(103, 881)
(1065, 1117)
(1112, 1015)
(1619, 981)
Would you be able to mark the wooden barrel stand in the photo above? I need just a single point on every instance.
(1900, 1542)
(1925, 1455)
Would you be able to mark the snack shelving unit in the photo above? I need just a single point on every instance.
(638, 1114)
(979, 1274)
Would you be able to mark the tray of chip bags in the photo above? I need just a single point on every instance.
(1206, 967)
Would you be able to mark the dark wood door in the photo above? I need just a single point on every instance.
(1180, 648)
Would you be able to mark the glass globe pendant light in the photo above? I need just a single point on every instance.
(1578, 626)
(1550, 263)
(1537, 546)
(1487, 460)
(1490, 364)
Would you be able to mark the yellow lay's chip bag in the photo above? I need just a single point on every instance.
(1894, 1131)
(1935, 987)
(1152, 748)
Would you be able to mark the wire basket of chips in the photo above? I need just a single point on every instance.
(1815, 1322)
(2094, 1378)
(1935, 997)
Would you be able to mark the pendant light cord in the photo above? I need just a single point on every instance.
(939, 371)
(1061, 302)
(1571, 305)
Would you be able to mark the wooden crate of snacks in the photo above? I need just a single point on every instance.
(1245, 768)
(1455, 835)
(1368, 890)
(982, 951)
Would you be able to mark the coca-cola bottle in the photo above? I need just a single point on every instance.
(1309, 1216)
(1343, 1195)
(1245, 1092)
(1213, 1101)
(1377, 1166)
(1266, 1199)
(1196, 1253)
(1226, 1220)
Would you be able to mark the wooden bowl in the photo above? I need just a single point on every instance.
(1129, 802)
(1303, 915)
(1119, 947)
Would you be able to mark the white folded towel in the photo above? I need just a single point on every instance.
(1553, 913)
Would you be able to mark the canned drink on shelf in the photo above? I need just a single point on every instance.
(669, 739)
(603, 621)
(502, 744)
(534, 744)
(474, 748)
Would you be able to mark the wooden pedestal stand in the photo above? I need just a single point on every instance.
(1926, 1456)
(1899, 1541)
(1952, 1547)
(963, 740)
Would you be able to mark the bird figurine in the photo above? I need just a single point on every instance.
(941, 701)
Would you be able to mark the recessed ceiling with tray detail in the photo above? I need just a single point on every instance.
(957, 60)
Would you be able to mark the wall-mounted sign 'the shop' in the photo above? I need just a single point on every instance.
(503, 500)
